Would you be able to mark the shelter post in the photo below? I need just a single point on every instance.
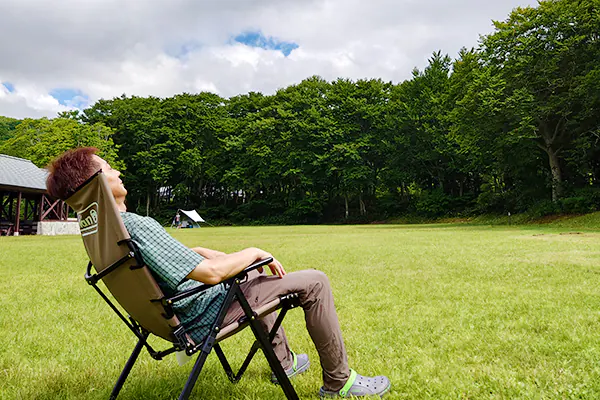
(25, 206)
(18, 214)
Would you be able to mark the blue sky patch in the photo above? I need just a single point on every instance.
(9, 86)
(70, 97)
(183, 50)
(257, 39)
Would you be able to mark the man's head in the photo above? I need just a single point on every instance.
(74, 167)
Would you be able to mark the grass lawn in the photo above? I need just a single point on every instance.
(446, 311)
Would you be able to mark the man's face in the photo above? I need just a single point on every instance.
(112, 175)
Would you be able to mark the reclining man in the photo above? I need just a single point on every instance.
(177, 268)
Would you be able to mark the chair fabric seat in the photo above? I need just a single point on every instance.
(235, 327)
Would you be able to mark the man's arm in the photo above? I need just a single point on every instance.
(208, 253)
(215, 270)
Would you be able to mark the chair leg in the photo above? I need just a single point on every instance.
(125, 373)
(267, 348)
(189, 385)
(255, 345)
(226, 366)
(274, 363)
(246, 363)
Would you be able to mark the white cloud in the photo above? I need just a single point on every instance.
(105, 48)
(28, 101)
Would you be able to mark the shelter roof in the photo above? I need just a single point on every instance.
(18, 174)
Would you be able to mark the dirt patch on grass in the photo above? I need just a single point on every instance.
(565, 235)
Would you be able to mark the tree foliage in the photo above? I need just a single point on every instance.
(547, 61)
(511, 126)
(7, 128)
(42, 140)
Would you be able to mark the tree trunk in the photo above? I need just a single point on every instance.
(551, 138)
(361, 203)
(556, 173)
(148, 204)
(346, 203)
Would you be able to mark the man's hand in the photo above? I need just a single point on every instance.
(275, 266)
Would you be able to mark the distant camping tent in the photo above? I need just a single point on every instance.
(188, 219)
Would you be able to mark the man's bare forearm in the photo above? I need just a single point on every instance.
(208, 253)
(215, 270)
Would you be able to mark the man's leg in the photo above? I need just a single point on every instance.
(322, 323)
(235, 312)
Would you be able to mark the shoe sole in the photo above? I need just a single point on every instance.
(332, 395)
(293, 374)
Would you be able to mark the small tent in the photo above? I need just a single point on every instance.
(188, 219)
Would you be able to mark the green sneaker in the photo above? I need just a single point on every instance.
(359, 386)
(299, 365)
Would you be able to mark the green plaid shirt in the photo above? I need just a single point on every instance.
(170, 262)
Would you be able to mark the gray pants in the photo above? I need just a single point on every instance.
(322, 323)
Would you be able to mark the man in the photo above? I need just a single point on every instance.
(177, 220)
(177, 268)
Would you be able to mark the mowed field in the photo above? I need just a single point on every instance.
(446, 311)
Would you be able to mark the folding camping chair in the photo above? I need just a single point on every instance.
(119, 264)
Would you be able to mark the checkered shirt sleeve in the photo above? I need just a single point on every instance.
(170, 260)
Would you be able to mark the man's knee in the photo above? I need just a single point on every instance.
(312, 276)
(317, 283)
(320, 277)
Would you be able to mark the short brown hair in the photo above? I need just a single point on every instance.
(69, 170)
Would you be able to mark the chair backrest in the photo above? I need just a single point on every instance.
(106, 242)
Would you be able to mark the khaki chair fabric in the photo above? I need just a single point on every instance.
(106, 242)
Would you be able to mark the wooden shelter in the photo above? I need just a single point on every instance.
(24, 201)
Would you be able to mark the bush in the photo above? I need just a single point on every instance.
(390, 205)
(582, 201)
(492, 202)
(576, 205)
(433, 204)
(589, 195)
(216, 213)
(544, 208)
(256, 210)
(308, 210)
(463, 205)
(163, 216)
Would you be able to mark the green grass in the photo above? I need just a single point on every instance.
(446, 311)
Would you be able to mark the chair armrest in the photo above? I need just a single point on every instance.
(187, 293)
(241, 275)
(252, 267)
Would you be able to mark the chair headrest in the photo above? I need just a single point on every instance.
(99, 221)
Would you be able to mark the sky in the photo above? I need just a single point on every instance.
(63, 55)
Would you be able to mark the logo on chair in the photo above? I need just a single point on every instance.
(88, 219)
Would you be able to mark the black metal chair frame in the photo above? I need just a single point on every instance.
(182, 341)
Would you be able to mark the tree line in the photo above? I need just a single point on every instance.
(512, 126)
